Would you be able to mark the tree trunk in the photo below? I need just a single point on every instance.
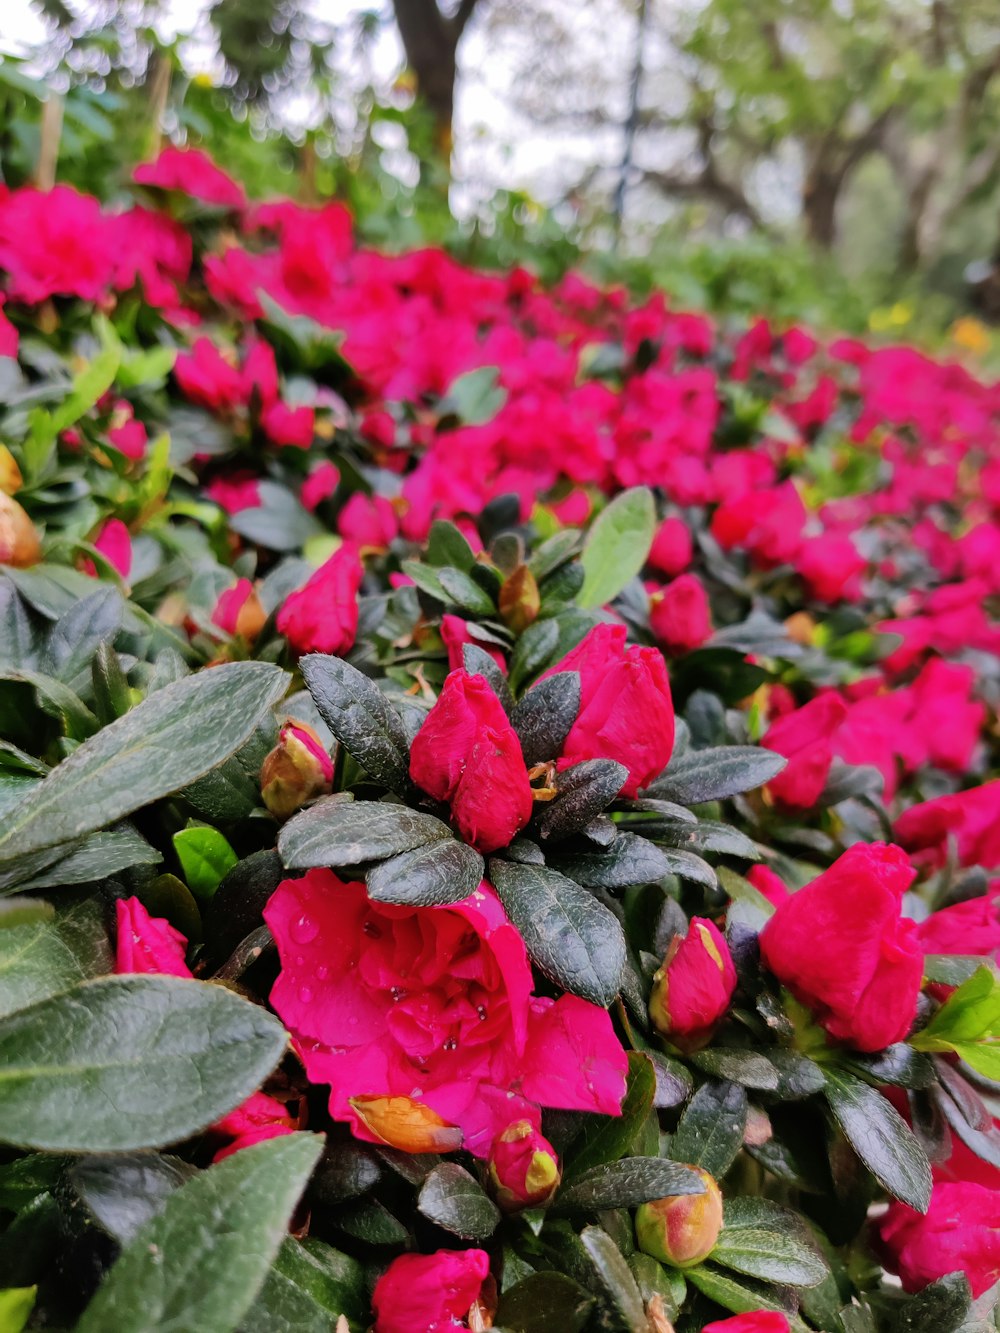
(430, 41)
(819, 207)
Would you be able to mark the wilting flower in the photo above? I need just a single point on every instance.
(693, 988)
(239, 611)
(680, 616)
(147, 943)
(297, 770)
(468, 754)
(422, 1019)
(322, 617)
(419, 1292)
(841, 947)
(960, 1232)
(626, 713)
(524, 1168)
(681, 1229)
(805, 738)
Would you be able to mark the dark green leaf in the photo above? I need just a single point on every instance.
(42, 958)
(543, 716)
(201, 1261)
(607, 1138)
(308, 1288)
(452, 1199)
(881, 1138)
(130, 1062)
(940, 1307)
(432, 875)
(628, 860)
(585, 790)
(370, 1221)
(76, 636)
(765, 1241)
(740, 1295)
(752, 1069)
(543, 1303)
(615, 1277)
(112, 695)
(167, 741)
(447, 545)
(712, 775)
(533, 650)
(95, 857)
(627, 1183)
(475, 397)
(124, 1191)
(899, 1064)
(478, 662)
(617, 546)
(279, 522)
(340, 832)
(575, 940)
(710, 1133)
(360, 716)
(950, 969)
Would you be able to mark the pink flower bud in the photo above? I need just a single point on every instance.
(681, 1229)
(147, 943)
(692, 990)
(296, 771)
(524, 1168)
(239, 611)
(680, 616)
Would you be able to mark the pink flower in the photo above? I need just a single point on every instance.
(626, 713)
(192, 172)
(320, 484)
(289, 426)
(680, 616)
(970, 927)
(805, 738)
(960, 1233)
(422, 1019)
(757, 1321)
(419, 1293)
(467, 753)
(235, 492)
(239, 611)
(56, 243)
(841, 947)
(8, 334)
(455, 633)
(115, 544)
(672, 549)
(693, 988)
(368, 520)
(260, 1117)
(129, 434)
(765, 881)
(830, 566)
(524, 1168)
(207, 378)
(322, 617)
(147, 943)
(971, 818)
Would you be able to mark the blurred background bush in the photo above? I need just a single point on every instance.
(834, 161)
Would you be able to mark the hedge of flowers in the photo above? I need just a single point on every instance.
(496, 784)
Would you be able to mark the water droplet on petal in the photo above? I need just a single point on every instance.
(322, 972)
(304, 929)
(481, 1011)
(305, 994)
(371, 929)
(450, 1045)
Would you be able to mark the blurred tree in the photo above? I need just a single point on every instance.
(430, 37)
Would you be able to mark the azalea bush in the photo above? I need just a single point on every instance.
(497, 807)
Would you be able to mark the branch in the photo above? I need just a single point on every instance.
(706, 186)
(461, 17)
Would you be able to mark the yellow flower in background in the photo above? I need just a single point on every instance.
(890, 317)
(970, 335)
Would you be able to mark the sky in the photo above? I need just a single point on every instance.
(496, 146)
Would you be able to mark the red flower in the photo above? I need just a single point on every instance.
(56, 243)
(841, 947)
(680, 616)
(422, 1292)
(971, 927)
(322, 617)
(422, 1019)
(115, 544)
(960, 1232)
(971, 818)
(192, 172)
(368, 520)
(805, 738)
(830, 566)
(756, 1321)
(468, 754)
(693, 988)
(672, 549)
(320, 484)
(147, 943)
(260, 1117)
(455, 632)
(208, 379)
(626, 712)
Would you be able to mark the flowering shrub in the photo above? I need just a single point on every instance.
(499, 794)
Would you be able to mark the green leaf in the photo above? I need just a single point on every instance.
(629, 859)
(77, 635)
(968, 1023)
(478, 662)
(280, 522)
(96, 857)
(752, 1069)
(607, 1138)
(90, 384)
(475, 397)
(617, 546)
(941, 1307)
(542, 717)
(951, 969)
(713, 775)
(308, 1288)
(741, 1296)
(615, 1277)
(881, 1138)
(627, 1183)
(534, 648)
(360, 716)
(433, 875)
(173, 737)
(339, 832)
(765, 1241)
(130, 1062)
(205, 856)
(42, 958)
(452, 1199)
(461, 590)
(575, 940)
(585, 790)
(447, 545)
(710, 1132)
(124, 1191)
(544, 1302)
(16, 1305)
(200, 1262)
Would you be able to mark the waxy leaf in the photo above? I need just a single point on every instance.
(607, 1138)
(360, 716)
(629, 859)
(615, 1277)
(543, 1302)
(437, 873)
(712, 775)
(575, 940)
(584, 792)
(478, 662)
(306, 1291)
(881, 1138)
(763, 1240)
(201, 1261)
(42, 958)
(710, 1133)
(617, 546)
(627, 1183)
(340, 832)
(130, 1062)
(542, 718)
(205, 856)
(173, 737)
(124, 1191)
(454, 1200)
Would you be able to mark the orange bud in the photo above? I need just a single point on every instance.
(10, 474)
(19, 543)
(402, 1123)
(519, 599)
(681, 1229)
(296, 771)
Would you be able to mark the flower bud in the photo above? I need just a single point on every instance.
(405, 1124)
(297, 770)
(692, 990)
(19, 544)
(10, 474)
(524, 1169)
(239, 611)
(681, 1229)
(520, 601)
